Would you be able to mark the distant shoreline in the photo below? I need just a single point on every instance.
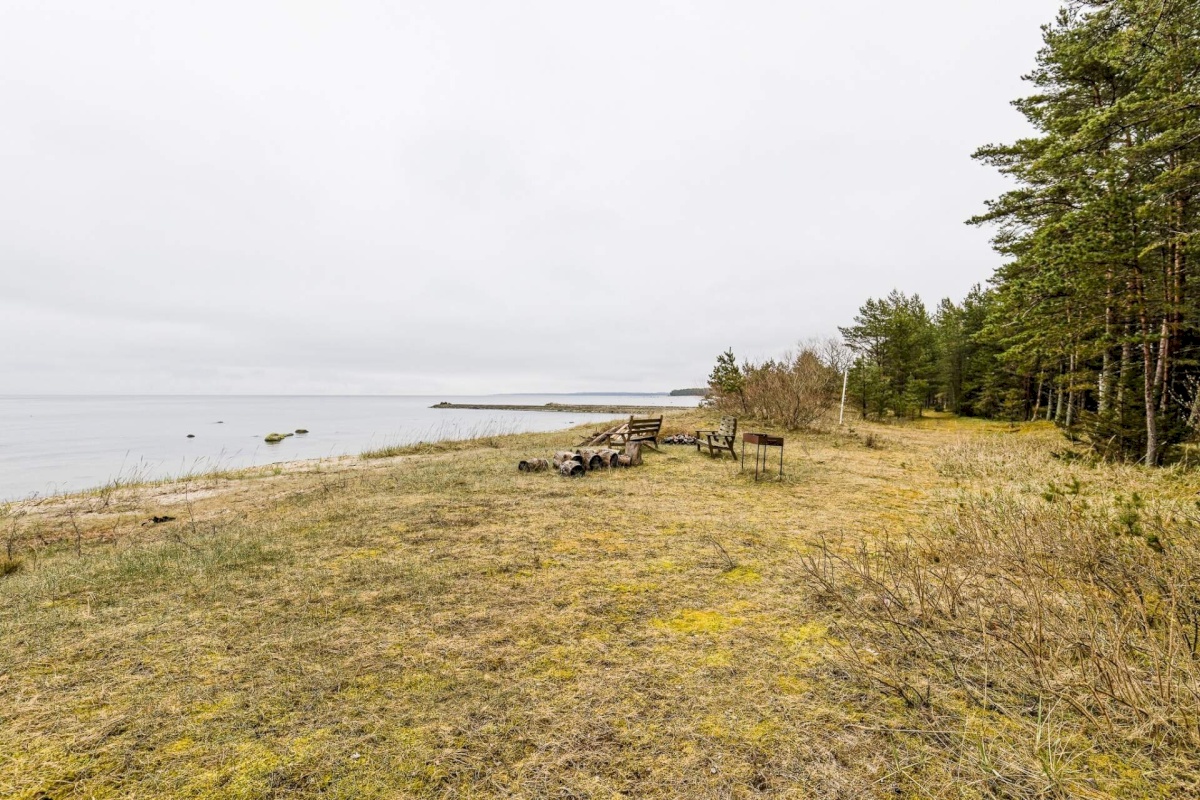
(561, 407)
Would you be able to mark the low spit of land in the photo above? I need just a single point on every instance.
(946, 608)
(567, 407)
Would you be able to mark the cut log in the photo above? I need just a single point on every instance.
(571, 469)
(534, 465)
(624, 461)
(591, 459)
(609, 456)
(563, 456)
(634, 451)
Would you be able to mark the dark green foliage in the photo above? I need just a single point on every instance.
(1091, 322)
(726, 382)
(896, 344)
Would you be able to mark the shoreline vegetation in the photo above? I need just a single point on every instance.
(942, 607)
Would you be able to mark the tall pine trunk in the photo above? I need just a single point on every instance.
(1148, 371)
(1060, 408)
(1105, 381)
(1071, 391)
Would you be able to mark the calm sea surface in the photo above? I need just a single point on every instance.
(55, 444)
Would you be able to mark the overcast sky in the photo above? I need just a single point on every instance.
(469, 197)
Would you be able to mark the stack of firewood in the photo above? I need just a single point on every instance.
(581, 462)
(679, 438)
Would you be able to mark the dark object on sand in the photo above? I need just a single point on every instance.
(534, 465)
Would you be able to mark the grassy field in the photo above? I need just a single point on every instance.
(948, 608)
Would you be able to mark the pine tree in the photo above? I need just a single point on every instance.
(727, 381)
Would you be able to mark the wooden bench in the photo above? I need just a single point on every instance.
(720, 439)
(643, 430)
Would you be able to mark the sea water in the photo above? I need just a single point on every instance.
(53, 444)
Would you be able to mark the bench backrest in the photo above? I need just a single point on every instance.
(728, 427)
(647, 428)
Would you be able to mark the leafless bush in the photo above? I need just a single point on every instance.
(1016, 607)
(791, 392)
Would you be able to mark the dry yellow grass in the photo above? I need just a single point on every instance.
(436, 624)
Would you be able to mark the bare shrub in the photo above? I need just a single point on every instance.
(1026, 609)
(792, 392)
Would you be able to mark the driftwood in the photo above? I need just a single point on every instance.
(590, 459)
(634, 451)
(564, 456)
(534, 465)
(593, 439)
(571, 469)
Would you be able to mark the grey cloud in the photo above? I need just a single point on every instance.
(471, 196)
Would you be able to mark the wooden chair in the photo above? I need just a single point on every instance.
(720, 439)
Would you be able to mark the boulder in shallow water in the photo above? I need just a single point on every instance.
(191, 436)
(274, 438)
(301, 430)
